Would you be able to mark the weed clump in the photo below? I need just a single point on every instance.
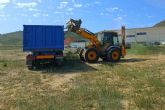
(5, 64)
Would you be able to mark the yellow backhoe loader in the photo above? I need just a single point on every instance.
(104, 45)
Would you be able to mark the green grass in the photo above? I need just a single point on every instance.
(146, 50)
(11, 47)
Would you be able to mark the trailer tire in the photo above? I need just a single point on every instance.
(35, 65)
(30, 67)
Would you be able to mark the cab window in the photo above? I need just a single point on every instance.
(115, 40)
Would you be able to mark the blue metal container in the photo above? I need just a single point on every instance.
(43, 38)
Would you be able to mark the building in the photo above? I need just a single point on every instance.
(79, 44)
(148, 35)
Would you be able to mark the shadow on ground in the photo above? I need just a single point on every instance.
(130, 60)
(70, 66)
(76, 66)
(133, 60)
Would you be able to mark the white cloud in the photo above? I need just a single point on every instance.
(102, 13)
(22, 14)
(4, 15)
(118, 19)
(62, 5)
(45, 15)
(2, 7)
(67, 7)
(113, 9)
(38, 1)
(58, 12)
(33, 9)
(3, 3)
(70, 9)
(26, 5)
(69, 13)
(17, 1)
(97, 2)
(149, 16)
(73, 1)
(36, 15)
(77, 5)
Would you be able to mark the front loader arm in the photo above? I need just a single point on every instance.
(74, 26)
(91, 37)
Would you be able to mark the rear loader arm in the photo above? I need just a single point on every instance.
(123, 41)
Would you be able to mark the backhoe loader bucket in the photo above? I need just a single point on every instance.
(74, 25)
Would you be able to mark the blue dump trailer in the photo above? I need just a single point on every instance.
(45, 44)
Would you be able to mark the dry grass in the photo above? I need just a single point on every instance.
(137, 82)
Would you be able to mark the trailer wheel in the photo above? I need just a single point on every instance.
(30, 67)
(34, 65)
(91, 55)
(59, 63)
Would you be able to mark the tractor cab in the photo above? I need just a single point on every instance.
(108, 39)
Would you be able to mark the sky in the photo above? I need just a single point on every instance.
(97, 15)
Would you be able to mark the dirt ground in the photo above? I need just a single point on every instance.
(15, 78)
(58, 79)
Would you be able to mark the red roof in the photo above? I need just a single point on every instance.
(69, 40)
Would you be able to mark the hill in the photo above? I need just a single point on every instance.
(11, 39)
(73, 35)
(160, 24)
(15, 38)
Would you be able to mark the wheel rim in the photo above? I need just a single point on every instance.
(92, 55)
(115, 55)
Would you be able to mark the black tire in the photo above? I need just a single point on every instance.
(36, 65)
(114, 55)
(81, 56)
(30, 67)
(91, 55)
(59, 63)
